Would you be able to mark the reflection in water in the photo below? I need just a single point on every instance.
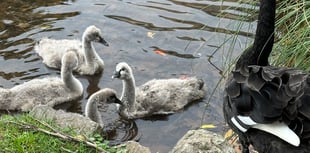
(123, 131)
(22, 17)
(202, 26)
(218, 9)
(22, 75)
(162, 8)
(173, 53)
(147, 25)
(9, 76)
(157, 118)
(17, 19)
(93, 85)
(190, 38)
(194, 25)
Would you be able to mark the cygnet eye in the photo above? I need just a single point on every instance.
(122, 69)
(96, 34)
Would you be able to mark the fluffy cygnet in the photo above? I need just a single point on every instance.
(96, 101)
(47, 91)
(89, 62)
(163, 96)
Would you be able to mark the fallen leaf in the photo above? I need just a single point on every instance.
(46, 26)
(80, 137)
(229, 134)
(160, 52)
(150, 34)
(23, 25)
(208, 126)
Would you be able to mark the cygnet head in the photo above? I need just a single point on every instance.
(70, 60)
(123, 71)
(92, 33)
(103, 96)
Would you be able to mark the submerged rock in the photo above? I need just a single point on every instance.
(135, 147)
(64, 119)
(202, 141)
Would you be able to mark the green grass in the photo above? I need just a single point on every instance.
(22, 133)
(293, 31)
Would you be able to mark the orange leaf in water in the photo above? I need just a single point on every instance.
(160, 52)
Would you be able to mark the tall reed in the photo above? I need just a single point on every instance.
(292, 47)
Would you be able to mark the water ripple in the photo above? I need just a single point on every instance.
(219, 10)
(163, 9)
(144, 24)
(173, 53)
(193, 25)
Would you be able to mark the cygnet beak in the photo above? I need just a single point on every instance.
(118, 101)
(102, 41)
(116, 74)
(114, 99)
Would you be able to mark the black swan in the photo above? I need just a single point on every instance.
(268, 106)
(49, 91)
(156, 97)
(90, 63)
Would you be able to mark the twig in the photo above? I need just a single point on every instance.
(45, 124)
(57, 134)
(67, 150)
(210, 61)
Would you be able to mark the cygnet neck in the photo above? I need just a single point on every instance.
(69, 80)
(92, 111)
(129, 93)
(88, 49)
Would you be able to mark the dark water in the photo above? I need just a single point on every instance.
(195, 36)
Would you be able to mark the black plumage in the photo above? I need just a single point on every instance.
(267, 94)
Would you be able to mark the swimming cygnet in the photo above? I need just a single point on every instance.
(155, 97)
(89, 62)
(49, 91)
(96, 101)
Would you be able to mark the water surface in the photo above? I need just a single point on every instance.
(159, 39)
